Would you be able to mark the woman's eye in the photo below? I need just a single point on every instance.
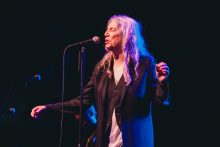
(112, 29)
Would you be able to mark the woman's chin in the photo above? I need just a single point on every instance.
(107, 47)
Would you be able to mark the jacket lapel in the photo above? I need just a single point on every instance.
(123, 89)
(102, 86)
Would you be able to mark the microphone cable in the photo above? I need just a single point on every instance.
(62, 95)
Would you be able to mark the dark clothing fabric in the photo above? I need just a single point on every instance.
(133, 107)
(111, 103)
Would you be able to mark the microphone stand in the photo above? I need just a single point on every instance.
(81, 65)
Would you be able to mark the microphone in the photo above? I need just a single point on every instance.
(94, 39)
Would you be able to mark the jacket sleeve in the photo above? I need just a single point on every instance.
(160, 92)
(163, 93)
(73, 104)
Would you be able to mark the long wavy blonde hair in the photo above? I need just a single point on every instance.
(133, 45)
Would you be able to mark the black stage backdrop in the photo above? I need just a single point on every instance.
(33, 35)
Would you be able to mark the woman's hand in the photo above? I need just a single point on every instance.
(37, 110)
(162, 71)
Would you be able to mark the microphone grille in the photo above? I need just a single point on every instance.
(96, 39)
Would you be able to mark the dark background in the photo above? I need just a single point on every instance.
(33, 35)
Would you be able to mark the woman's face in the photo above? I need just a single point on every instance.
(113, 37)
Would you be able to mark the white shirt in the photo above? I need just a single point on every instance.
(115, 137)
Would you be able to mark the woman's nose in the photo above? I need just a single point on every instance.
(106, 33)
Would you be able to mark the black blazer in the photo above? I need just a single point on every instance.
(134, 105)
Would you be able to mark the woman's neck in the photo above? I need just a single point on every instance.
(119, 59)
